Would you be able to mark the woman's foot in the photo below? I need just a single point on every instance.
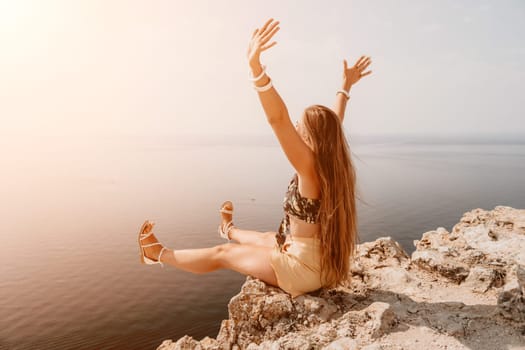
(152, 252)
(226, 220)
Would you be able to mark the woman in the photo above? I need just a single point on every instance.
(320, 211)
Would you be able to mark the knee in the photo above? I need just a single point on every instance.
(222, 251)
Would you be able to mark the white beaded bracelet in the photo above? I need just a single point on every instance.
(344, 93)
(265, 87)
(260, 75)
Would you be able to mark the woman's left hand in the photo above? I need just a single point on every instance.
(260, 37)
(353, 74)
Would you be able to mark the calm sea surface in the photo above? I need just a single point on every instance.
(70, 276)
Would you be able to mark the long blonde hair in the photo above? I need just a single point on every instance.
(337, 178)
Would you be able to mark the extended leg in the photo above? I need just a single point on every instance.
(246, 259)
(243, 236)
(266, 239)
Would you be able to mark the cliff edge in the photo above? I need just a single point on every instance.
(463, 289)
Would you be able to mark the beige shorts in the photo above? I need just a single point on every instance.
(297, 267)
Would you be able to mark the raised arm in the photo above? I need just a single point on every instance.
(272, 103)
(296, 150)
(350, 76)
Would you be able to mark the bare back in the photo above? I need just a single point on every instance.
(309, 188)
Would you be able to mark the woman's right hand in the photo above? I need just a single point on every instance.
(259, 39)
(353, 74)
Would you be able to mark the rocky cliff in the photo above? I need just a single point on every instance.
(462, 289)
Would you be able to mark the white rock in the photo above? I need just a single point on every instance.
(345, 343)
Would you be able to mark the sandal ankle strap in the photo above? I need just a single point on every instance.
(160, 255)
(227, 229)
(151, 244)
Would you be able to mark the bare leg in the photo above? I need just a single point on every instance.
(265, 239)
(246, 259)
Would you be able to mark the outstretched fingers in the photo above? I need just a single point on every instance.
(266, 25)
(261, 37)
(365, 63)
(268, 46)
(269, 32)
(359, 61)
(268, 36)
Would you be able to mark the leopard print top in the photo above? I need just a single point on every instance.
(306, 209)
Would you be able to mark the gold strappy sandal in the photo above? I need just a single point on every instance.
(143, 258)
(225, 233)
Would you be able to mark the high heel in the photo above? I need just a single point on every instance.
(143, 258)
(225, 233)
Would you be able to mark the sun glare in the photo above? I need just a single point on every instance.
(12, 14)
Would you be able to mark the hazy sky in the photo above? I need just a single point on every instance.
(87, 68)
